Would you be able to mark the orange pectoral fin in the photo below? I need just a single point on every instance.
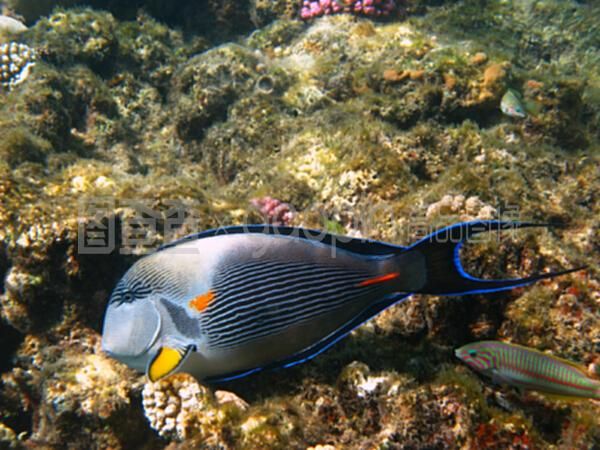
(201, 302)
(379, 279)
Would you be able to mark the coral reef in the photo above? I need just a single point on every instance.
(179, 407)
(71, 390)
(85, 37)
(465, 209)
(274, 211)
(209, 84)
(375, 8)
(381, 129)
(16, 61)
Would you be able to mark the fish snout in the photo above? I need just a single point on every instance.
(130, 329)
(460, 353)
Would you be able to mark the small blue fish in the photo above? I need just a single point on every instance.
(527, 368)
(229, 302)
(512, 106)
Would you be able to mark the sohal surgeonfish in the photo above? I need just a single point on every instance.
(228, 302)
(527, 368)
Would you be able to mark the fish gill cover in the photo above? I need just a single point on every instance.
(171, 120)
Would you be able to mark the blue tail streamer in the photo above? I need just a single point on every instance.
(445, 273)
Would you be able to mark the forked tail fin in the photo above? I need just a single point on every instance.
(441, 256)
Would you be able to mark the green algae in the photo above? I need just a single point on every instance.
(278, 33)
(81, 36)
(20, 145)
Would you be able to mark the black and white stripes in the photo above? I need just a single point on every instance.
(144, 279)
(263, 297)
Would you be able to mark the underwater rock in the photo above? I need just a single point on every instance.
(224, 397)
(151, 51)
(558, 110)
(143, 47)
(565, 313)
(356, 379)
(87, 385)
(277, 34)
(263, 12)
(208, 84)
(11, 26)
(19, 293)
(436, 417)
(81, 36)
(75, 110)
(78, 391)
(19, 145)
(8, 438)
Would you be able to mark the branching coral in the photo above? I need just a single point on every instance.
(16, 62)
(373, 8)
(178, 407)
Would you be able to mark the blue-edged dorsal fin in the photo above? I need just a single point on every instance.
(356, 245)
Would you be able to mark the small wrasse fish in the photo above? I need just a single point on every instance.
(228, 302)
(529, 369)
(512, 106)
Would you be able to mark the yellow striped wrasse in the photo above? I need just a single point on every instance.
(526, 368)
(232, 301)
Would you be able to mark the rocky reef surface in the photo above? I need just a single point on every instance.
(384, 129)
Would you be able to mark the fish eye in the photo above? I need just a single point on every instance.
(127, 297)
(472, 353)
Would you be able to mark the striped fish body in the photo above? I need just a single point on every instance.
(246, 300)
(228, 302)
(529, 369)
(274, 296)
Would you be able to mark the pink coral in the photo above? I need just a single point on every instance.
(275, 211)
(374, 8)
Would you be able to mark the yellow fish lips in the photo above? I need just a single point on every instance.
(167, 361)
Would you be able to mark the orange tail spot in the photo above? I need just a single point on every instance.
(379, 279)
(201, 302)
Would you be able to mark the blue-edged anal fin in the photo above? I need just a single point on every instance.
(436, 261)
(319, 347)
